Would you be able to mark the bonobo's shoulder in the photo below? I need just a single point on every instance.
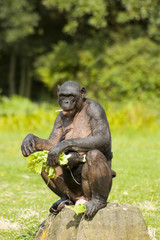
(59, 118)
(94, 108)
(93, 105)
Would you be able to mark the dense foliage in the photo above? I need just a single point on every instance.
(111, 47)
(127, 70)
(19, 113)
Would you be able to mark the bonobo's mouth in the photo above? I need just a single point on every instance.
(67, 112)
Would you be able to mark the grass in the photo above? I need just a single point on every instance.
(137, 163)
(25, 199)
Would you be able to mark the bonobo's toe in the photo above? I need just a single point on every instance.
(59, 205)
(93, 206)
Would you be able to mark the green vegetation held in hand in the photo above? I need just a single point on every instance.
(38, 162)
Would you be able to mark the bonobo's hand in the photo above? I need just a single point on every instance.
(74, 159)
(28, 145)
(53, 155)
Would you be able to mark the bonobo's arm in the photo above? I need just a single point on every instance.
(100, 139)
(32, 143)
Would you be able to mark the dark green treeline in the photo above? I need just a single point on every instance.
(110, 46)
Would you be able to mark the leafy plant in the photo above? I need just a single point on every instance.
(63, 159)
(78, 209)
(38, 162)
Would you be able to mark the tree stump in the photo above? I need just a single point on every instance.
(114, 222)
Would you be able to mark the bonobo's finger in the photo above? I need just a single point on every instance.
(27, 152)
(33, 146)
(23, 151)
(51, 163)
(22, 148)
(88, 213)
(30, 149)
(48, 160)
(52, 160)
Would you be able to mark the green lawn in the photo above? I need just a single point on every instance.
(25, 199)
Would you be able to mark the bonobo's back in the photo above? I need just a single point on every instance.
(100, 125)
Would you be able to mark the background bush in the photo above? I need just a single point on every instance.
(21, 114)
(110, 47)
(128, 70)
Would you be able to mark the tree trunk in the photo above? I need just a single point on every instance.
(11, 77)
(29, 82)
(22, 77)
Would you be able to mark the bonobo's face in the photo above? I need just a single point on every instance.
(70, 96)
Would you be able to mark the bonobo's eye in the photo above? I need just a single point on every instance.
(71, 97)
(61, 96)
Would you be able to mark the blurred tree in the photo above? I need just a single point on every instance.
(110, 46)
(146, 12)
(76, 13)
(17, 20)
(111, 49)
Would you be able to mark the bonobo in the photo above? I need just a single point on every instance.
(81, 129)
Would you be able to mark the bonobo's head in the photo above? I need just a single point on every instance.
(71, 95)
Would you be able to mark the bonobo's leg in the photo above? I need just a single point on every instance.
(59, 187)
(96, 181)
(50, 183)
(73, 179)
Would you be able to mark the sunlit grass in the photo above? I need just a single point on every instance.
(137, 163)
(25, 199)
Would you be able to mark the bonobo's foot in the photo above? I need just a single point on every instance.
(93, 206)
(59, 205)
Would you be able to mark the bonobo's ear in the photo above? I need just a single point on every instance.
(83, 92)
(58, 88)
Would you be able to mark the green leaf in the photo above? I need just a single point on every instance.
(37, 162)
(63, 159)
(78, 209)
(38, 168)
(51, 172)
